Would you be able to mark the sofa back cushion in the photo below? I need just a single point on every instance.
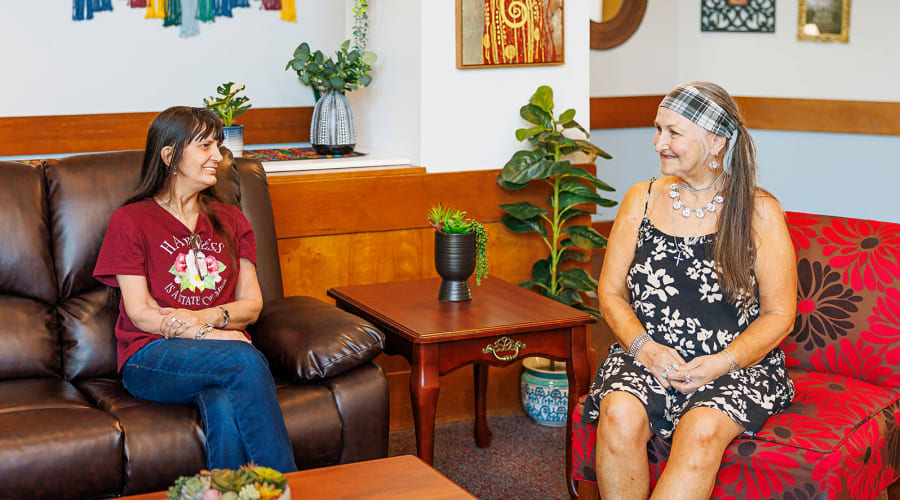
(28, 344)
(848, 302)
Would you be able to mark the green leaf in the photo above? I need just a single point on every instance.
(568, 199)
(565, 296)
(365, 80)
(302, 51)
(512, 186)
(590, 149)
(526, 166)
(543, 98)
(536, 115)
(574, 124)
(578, 279)
(522, 210)
(369, 58)
(541, 271)
(529, 284)
(524, 226)
(337, 83)
(574, 212)
(585, 237)
(567, 116)
(572, 254)
(588, 309)
(583, 174)
(567, 243)
(525, 133)
(345, 46)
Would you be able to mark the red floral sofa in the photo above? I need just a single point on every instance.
(840, 437)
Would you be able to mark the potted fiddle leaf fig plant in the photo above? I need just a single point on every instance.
(460, 247)
(228, 106)
(571, 189)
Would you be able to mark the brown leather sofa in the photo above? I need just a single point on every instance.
(68, 428)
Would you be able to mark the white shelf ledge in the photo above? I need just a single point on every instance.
(368, 159)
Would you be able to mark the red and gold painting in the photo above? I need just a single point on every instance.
(493, 33)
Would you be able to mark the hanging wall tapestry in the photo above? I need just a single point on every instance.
(493, 33)
(754, 16)
(186, 14)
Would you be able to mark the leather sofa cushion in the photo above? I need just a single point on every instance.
(313, 423)
(28, 342)
(86, 337)
(26, 267)
(306, 339)
(86, 445)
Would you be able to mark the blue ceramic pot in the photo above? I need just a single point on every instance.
(545, 392)
(234, 139)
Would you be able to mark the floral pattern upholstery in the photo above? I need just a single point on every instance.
(839, 438)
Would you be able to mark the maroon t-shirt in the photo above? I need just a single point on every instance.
(144, 239)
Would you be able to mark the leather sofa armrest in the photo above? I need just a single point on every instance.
(306, 339)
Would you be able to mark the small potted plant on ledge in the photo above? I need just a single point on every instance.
(227, 107)
(460, 247)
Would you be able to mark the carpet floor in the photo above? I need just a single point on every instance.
(524, 461)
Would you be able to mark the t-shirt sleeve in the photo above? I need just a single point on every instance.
(122, 251)
(243, 235)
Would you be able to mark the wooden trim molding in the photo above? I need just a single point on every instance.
(766, 113)
(37, 135)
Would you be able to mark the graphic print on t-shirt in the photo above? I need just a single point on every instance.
(196, 271)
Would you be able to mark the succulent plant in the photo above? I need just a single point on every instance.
(226, 480)
(248, 492)
(266, 475)
(193, 489)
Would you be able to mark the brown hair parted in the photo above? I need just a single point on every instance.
(177, 127)
(734, 251)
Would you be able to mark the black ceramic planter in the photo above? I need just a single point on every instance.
(454, 259)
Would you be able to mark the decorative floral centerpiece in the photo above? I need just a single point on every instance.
(229, 104)
(250, 482)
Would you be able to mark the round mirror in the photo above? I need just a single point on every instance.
(619, 20)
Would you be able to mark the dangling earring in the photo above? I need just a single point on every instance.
(713, 165)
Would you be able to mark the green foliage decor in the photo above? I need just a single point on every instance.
(571, 188)
(348, 71)
(229, 104)
(451, 221)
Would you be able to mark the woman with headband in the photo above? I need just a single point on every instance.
(699, 288)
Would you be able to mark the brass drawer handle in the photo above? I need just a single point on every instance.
(504, 344)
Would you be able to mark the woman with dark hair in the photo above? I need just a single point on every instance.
(186, 266)
(699, 288)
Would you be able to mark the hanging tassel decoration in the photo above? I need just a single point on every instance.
(206, 11)
(156, 9)
(173, 13)
(137, 3)
(189, 24)
(240, 3)
(223, 8)
(81, 10)
(288, 12)
(271, 4)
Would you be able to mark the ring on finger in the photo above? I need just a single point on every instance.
(664, 375)
(668, 368)
(687, 378)
(174, 320)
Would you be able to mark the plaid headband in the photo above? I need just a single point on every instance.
(688, 102)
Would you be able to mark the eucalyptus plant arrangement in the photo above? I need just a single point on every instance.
(451, 221)
(571, 188)
(228, 105)
(348, 71)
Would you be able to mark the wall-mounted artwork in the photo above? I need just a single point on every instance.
(824, 21)
(491, 33)
(752, 16)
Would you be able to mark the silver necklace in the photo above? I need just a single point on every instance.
(686, 211)
(707, 188)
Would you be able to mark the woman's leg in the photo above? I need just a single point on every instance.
(178, 370)
(697, 447)
(623, 430)
(224, 445)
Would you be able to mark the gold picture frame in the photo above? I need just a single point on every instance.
(824, 21)
(509, 33)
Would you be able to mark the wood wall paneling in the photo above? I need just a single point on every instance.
(36, 135)
(766, 113)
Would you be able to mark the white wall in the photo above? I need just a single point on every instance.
(837, 174)
(121, 62)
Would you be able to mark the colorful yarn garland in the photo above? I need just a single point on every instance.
(184, 13)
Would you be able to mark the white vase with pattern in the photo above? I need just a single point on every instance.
(333, 129)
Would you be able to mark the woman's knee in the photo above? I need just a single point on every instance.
(623, 417)
(707, 428)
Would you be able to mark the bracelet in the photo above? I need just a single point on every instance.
(733, 366)
(637, 343)
(225, 315)
(203, 331)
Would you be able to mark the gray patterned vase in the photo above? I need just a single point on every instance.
(333, 130)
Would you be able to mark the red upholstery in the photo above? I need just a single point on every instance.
(839, 438)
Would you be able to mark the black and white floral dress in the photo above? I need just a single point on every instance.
(675, 294)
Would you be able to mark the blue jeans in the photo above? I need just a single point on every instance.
(232, 386)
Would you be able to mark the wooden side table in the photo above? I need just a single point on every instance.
(501, 323)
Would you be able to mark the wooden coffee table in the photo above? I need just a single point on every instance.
(403, 477)
(501, 323)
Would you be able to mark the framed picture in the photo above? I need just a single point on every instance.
(494, 33)
(824, 21)
(748, 16)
